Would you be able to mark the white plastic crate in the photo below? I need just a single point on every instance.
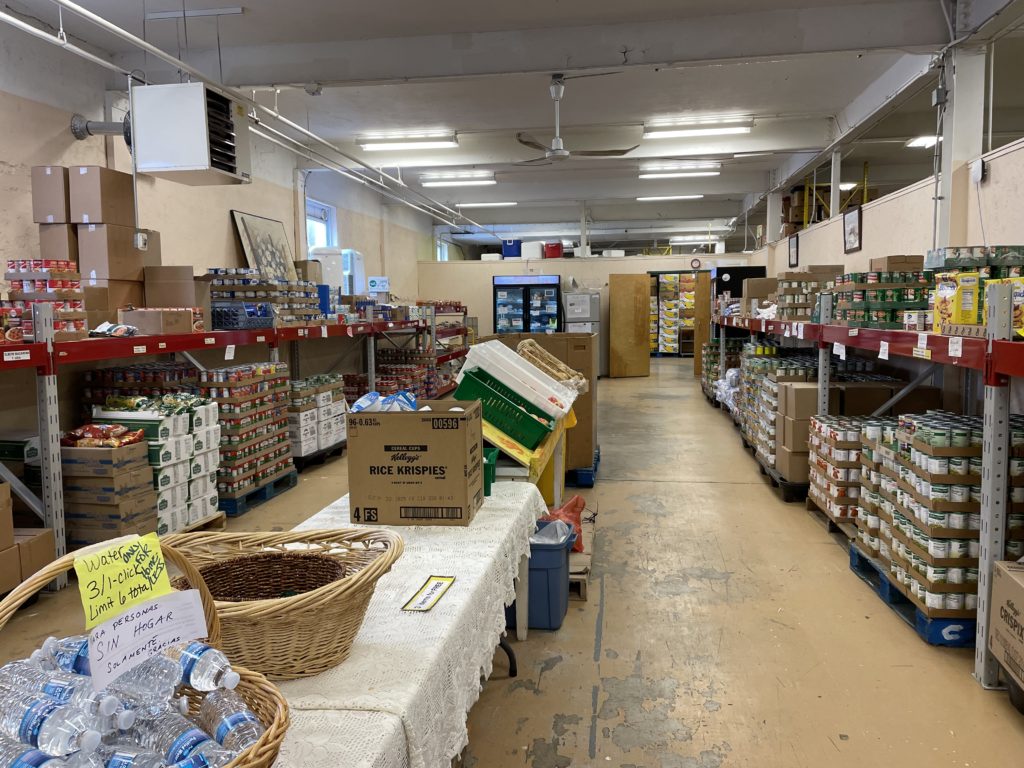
(551, 396)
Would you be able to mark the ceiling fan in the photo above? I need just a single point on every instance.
(557, 151)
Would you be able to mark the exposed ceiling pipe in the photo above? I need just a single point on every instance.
(238, 96)
(54, 40)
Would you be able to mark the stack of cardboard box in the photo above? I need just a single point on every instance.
(755, 291)
(86, 214)
(10, 567)
(183, 453)
(798, 402)
(108, 492)
(316, 415)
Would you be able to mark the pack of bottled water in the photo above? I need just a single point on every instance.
(50, 716)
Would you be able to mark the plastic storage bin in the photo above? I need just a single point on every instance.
(522, 376)
(511, 249)
(549, 584)
(505, 409)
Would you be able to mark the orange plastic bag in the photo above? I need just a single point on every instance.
(571, 513)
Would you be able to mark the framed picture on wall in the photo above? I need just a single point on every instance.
(794, 251)
(266, 245)
(853, 219)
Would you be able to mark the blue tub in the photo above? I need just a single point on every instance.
(549, 584)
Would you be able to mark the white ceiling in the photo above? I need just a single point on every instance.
(277, 22)
(482, 70)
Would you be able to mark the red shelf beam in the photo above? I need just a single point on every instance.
(928, 346)
(452, 355)
(24, 356)
(444, 333)
(98, 349)
(1008, 358)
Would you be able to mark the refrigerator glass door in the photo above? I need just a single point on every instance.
(544, 313)
(509, 309)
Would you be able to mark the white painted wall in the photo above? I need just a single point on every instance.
(392, 237)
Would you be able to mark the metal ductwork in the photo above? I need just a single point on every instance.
(81, 128)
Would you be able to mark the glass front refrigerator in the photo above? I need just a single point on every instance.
(527, 304)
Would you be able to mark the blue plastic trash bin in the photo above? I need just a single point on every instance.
(549, 584)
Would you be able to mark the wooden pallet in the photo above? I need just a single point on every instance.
(302, 463)
(833, 524)
(954, 633)
(579, 562)
(257, 496)
(215, 522)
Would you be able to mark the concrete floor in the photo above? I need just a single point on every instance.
(724, 628)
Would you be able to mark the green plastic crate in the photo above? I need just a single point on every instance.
(490, 468)
(505, 409)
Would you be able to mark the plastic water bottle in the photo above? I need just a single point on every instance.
(177, 738)
(14, 754)
(41, 722)
(65, 687)
(203, 667)
(126, 755)
(148, 688)
(233, 725)
(70, 654)
(121, 720)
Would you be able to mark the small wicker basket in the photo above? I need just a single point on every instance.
(262, 696)
(290, 604)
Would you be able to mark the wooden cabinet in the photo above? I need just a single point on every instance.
(629, 321)
(701, 319)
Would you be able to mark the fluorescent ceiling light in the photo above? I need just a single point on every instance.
(458, 179)
(744, 155)
(685, 239)
(459, 183)
(681, 129)
(682, 165)
(668, 197)
(922, 142)
(846, 186)
(406, 141)
(486, 205)
(679, 174)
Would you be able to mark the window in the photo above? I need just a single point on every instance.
(442, 250)
(321, 225)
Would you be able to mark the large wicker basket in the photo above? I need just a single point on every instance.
(326, 577)
(262, 696)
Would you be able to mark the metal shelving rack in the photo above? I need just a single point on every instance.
(447, 333)
(995, 357)
(47, 357)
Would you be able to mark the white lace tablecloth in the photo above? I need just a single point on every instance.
(402, 697)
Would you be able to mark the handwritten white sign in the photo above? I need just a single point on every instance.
(956, 346)
(122, 643)
(839, 349)
(883, 350)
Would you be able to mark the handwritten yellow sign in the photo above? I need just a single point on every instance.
(118, 577)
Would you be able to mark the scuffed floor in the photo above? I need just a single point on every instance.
(724, 628)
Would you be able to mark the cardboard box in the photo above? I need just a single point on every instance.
(102, 462)
(202, 508)
(759, 287)
(792, 465)
(305, 447)
(84, 533)
(580, 351)
(324, 398)
(10, 568)
(107, 490)
(171, 451)
(329, 439)
(107, 252)
(780, 429)
(171, 520)
(919, 400)
(310, 270)
(50, 195)
(303, 418)
(416, 468)
(58, 241)
(205, 463)
(795, 433)
(304, 433)
(201, 486)
(896, 263)
(957, 300)
(1005, 638)
(862, 398)
(20, 446)
(101, 196)
(206, 439)
(108, 296)
(127, 509)
(155, 425)
(205, 416)
(799, 400)
(37, 548)
(175, 497)
(157, 322)
(170, 287)
(171, 474)
(6, 517)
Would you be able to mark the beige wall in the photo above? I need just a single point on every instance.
(470, 281)
(1001, 198)
(392, 237)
